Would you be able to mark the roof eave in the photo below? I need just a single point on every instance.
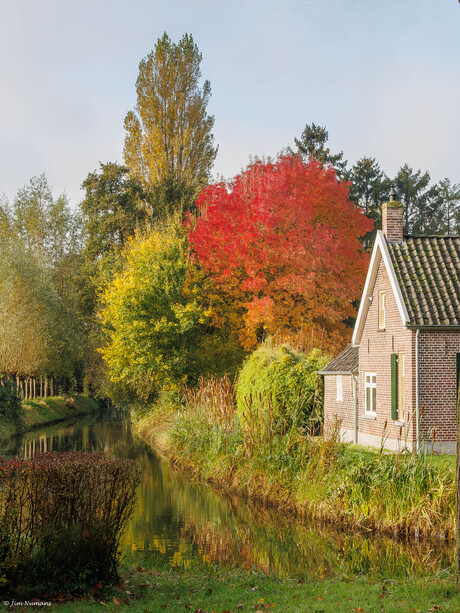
(433, 327)
(338, 372)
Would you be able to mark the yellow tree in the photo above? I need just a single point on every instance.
(152, 315)
(168, 140)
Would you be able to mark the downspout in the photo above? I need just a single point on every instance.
(417, 393)
(355, 390)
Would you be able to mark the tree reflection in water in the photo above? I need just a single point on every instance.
(180, 523)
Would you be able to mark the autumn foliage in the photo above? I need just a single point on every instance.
(281, 243)
(62, 517)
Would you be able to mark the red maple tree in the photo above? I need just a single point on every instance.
(281, 243)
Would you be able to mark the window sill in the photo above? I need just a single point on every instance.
(370, 416)
(399, 423)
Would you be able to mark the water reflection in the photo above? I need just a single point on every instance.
(179, 523)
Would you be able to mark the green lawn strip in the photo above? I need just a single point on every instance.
(234, 591)
(435, 458)
(46, 410)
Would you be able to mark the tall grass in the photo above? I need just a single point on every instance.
(402, 493)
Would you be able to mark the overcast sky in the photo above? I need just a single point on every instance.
(381, 75)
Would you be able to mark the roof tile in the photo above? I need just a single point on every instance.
(346, 362)
(428, 273)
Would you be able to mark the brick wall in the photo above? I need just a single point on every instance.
(339, 411)
(374, 357)
(438, 380)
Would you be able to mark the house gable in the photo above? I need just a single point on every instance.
(379, 253)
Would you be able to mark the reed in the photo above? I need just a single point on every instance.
(398, 493)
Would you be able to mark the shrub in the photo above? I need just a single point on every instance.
(61, 518)
(280, 385)
(10, 402)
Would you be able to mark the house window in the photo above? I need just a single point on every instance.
(338, 388)
(382, 310)
(370, 387)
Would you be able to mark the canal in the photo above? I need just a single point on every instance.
(180, 523)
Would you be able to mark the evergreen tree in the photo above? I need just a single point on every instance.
(369, 190)
(421, 204)
(312, 145)
(449, 195)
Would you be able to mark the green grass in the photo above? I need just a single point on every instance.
(221, 590)
(369, 452)
(41, 411)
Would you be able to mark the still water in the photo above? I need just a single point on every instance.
(180, 523)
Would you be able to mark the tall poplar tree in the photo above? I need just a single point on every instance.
(169, 142)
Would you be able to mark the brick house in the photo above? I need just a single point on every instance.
(396, 384)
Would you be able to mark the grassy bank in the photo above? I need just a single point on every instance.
(400, 494)
(43, 411)
(234, 591)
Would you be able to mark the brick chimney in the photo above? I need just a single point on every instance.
(392, 218)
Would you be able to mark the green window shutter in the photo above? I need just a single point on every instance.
(458, 372)
(394, 386)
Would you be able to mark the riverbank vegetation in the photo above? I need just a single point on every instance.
(43, 411)
(18, 415)
(285, 466)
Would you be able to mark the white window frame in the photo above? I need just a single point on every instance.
(338, 388)
(370, 382)
(382, 310)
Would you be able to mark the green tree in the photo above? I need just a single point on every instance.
(115, 205)
(449, 195)
(369, 190)
(25, 307)
(369, 186)
(312, 145)
(419, 199)
(30, 215)
(279, 384)
(40, 243)
(169, 142)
